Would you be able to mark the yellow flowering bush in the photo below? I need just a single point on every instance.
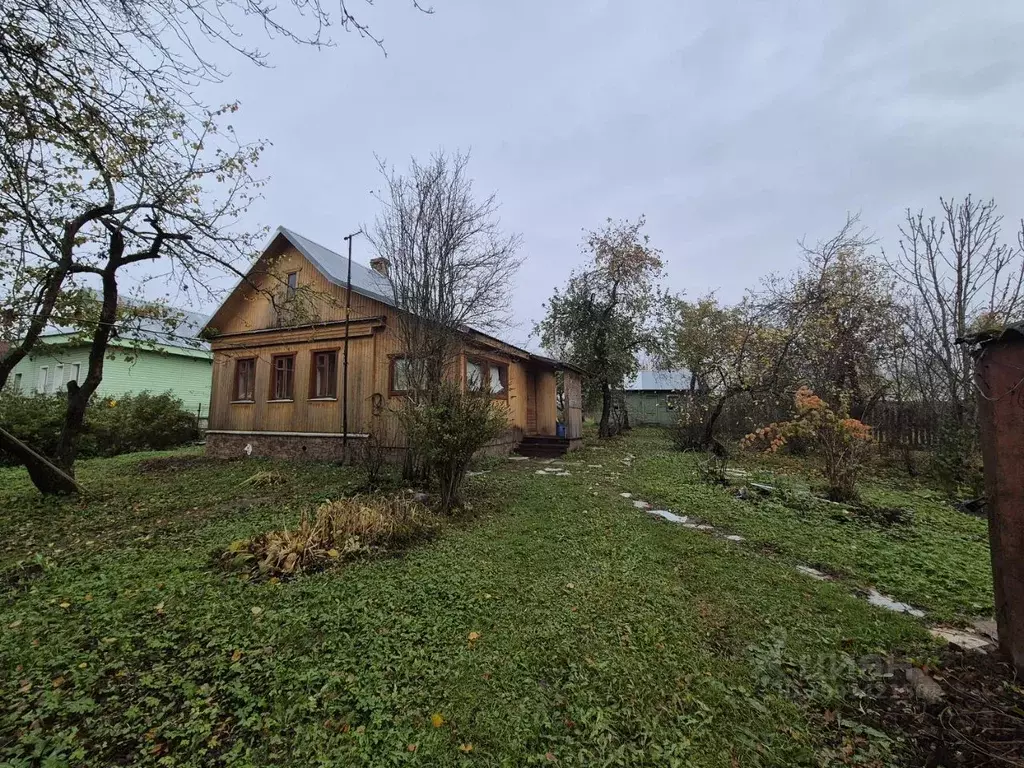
(841, 441)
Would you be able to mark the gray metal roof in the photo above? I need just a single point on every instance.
(180, 330)
(659, 381)
(335, 268)
(365, 281)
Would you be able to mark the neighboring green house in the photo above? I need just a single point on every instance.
(148, 357)
(653, 397)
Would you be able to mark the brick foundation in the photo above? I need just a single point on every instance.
(318, 448)
(223, 446)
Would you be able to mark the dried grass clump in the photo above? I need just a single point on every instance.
(337, 529)
(265, 479)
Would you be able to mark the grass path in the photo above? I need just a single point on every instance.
(605, 637)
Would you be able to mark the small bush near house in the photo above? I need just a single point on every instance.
(445, 432)
(138, 422)
(337, 529)
(840, 441)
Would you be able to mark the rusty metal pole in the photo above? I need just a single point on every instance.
(999, 374)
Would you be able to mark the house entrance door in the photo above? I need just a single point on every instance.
(531, 403)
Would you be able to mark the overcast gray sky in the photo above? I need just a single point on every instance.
(737, 128)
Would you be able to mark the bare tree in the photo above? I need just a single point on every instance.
(451, 269)
(959, 275)
(450, 265)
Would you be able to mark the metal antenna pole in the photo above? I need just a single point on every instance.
(344, 364)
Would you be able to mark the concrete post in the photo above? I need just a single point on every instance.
(999, 374)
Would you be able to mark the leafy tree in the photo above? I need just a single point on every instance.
(695, 336)
(605, 315)
(842, 306)
(89, 190)
(108, 161)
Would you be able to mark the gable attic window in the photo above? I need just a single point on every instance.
(487, 375)
(282, 372)
(323, 382)
(293, 285)
(245, 380)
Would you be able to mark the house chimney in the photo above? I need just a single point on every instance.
(380, 265)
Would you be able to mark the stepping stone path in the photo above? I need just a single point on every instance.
(970, 641)
(982, 638)
(890, 604)
(670, 516)
(814, 573)
(553, 471)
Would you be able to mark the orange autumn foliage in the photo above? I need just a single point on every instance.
(839, 440)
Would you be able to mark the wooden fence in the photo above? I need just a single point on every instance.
(917, 426)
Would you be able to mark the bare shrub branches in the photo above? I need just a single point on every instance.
(959, 276)
(450, 265)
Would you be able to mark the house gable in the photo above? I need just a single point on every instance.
(260, 301)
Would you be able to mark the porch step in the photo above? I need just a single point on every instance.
(543, 446)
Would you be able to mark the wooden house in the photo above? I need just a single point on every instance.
(278, 344)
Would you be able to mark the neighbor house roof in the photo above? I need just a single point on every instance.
(659, 381)
(180, 332)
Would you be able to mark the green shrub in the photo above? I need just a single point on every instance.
(956, 462)
(445, 431)
(112, 425)
(33, 419)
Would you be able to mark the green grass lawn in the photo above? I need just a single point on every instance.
(937, 560)
(606, 637)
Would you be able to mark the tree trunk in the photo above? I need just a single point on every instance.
(604, 428)
(709, 426)
(74, 419)
(79, 395)
(47, 477)
(625, 412)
